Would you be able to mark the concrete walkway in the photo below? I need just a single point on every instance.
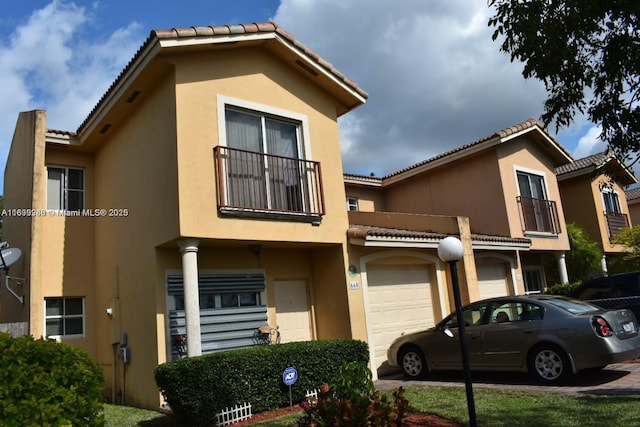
(615, 379)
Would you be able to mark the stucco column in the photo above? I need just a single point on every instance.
(189, 250)
(562, 268)
(603, 264)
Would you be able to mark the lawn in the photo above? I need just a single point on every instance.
(494, 408)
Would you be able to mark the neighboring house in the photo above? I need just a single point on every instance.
(203, 195)
(499, 194)
(593, 196)
(633, 203)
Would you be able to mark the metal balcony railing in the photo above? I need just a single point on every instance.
(615, 221)
(538, 215)
(258, 183)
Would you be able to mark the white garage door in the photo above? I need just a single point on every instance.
(492, 281)
(399, 302)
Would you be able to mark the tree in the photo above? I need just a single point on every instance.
(630, 237)
(583, 259)
(587, 53)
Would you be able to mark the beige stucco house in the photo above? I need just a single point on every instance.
(203, 195)
(633, 203)
(502, 195)
(593, 196)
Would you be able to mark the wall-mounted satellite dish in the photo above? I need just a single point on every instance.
(8, 257)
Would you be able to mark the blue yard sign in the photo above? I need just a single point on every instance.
(290, 376)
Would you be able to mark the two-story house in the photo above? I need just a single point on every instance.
(203, 196)
(593, 196)
(499, 194)
(633, 203)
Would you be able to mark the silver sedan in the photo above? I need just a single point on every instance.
(551, 337)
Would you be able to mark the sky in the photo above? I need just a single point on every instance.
(435, 78)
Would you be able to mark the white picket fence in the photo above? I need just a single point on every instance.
(312, 393)
(234, 415)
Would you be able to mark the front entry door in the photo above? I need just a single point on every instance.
(292, 310)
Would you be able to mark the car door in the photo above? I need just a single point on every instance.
(444, 343)
(511, 330)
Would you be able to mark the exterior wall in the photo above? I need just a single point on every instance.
(472, 188)
(583, 204)
(136, 170)
(369, 199)
(526, 154)
(634, 212)
(20, 177)
(254, 76)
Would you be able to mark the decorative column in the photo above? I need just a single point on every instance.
(603, 264)
(189, 250)
(562, 268)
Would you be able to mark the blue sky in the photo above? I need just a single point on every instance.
(434, 77)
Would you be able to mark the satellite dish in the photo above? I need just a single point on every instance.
(9, 256)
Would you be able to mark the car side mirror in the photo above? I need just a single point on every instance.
(448, 332)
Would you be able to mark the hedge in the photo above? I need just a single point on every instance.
(196, 388)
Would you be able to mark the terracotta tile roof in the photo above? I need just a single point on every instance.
(365, 231)
(633, 195)
(362, 179)
(225, 30)
(504, 133)
(592, 161)
(600, 163)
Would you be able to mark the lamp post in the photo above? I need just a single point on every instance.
(450, 250)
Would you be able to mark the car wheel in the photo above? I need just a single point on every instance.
(549, 364)
(413, 362)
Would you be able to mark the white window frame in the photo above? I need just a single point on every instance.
(610, 192)
(352, 203)
(540, 273)
(64, 201)
(529, 171)
(64, 316)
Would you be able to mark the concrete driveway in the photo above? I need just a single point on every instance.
(622, 378)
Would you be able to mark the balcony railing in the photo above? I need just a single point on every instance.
(615, 221)
(256, 183)
(538, 215)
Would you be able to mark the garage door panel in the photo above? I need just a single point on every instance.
(399, 302)
(492, 280)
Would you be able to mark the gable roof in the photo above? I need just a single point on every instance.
(273, 36)
(633, 195)
(605, 162)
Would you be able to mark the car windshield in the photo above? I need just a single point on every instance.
(573, 306)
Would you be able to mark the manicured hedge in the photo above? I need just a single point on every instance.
(197, 388)
(46, 383)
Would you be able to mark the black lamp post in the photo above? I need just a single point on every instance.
(450, 250)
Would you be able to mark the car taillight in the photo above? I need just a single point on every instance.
(601, 327)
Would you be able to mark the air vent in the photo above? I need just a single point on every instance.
(105, 128)
(133, 97)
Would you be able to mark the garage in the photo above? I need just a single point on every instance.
(400, 301)
(492, 280)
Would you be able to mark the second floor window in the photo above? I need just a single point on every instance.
(65, 188)
(272, 180)
(611, 201)
(352, 203)
(537, 213)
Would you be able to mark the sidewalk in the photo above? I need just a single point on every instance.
(615, 379)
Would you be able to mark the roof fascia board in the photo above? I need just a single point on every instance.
(364, 182)
(394, 242)
(313, 64)
(149, 53)
(546, 137)
(453, 157)
(215, 39)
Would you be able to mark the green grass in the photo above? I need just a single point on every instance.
(494, 408)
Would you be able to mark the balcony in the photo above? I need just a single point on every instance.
(615, 221)
(258, 184)
(538, 215)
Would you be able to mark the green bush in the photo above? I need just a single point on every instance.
(562, 288)
(197, 388)
(43, 382)
(352, 400)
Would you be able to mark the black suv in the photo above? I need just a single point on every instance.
(615, 291)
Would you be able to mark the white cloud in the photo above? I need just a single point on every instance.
(435, 78)
(50, 63)
(590, 143)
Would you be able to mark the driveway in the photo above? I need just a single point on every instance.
(622, 378)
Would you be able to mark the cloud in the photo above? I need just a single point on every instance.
(590, 143)
(50, 63)
(435, 78)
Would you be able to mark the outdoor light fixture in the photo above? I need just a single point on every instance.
(451, 250)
